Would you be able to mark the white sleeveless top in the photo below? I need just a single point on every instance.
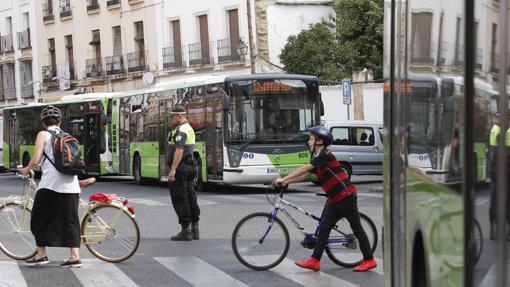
(51, 178)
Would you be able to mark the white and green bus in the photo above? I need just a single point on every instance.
(86, 117)
(249, 129)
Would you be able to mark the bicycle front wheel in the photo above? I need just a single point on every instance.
(343, 246)
(16, 239)
(110, 233)
(260, 242)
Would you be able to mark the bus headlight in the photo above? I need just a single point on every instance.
(234, 157)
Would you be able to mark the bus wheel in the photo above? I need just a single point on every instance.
(198, 183)
(137, 170)
(419, 271)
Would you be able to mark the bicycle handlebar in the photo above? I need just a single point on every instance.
(29, 176)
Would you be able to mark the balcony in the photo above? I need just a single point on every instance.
(442, 48)
(92, 5)
(114, 65)
(200, 54)
(459, 55)
(94, 68)
(231, 50)
(422, 55)
(7, 43)
(112, 3)
(137, 61)
(24, 39)
(65, 11)
(48, 74)
(48, 13)
(173, 57)
(10, 92)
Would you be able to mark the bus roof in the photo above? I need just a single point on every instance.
(25, 105)
(270, 76)
(191, 81)
(83, 97)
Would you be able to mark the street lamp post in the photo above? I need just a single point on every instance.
(250, 36)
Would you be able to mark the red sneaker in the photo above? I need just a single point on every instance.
(312, 264)
(365, 265)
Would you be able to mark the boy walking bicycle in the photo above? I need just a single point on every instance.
(341, 202)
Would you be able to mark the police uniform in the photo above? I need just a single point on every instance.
(493, 145)
(182, 191)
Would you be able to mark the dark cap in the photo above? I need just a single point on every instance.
(178, 110)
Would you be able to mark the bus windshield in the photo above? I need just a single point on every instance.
(269, 111)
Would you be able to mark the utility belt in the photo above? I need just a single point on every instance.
(187, 168)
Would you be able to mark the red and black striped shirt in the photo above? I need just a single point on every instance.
(328, 170)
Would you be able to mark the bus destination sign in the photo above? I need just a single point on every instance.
(270, 87)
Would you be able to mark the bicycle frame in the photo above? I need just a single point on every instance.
(281, 203)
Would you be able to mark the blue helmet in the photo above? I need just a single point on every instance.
(323, 133)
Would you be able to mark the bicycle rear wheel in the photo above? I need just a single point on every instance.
(110, 233)
(477, 242)
(259, 242)
(343, 247)
(16, 239)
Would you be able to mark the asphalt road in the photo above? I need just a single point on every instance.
(208, 261)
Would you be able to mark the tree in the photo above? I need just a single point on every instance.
(349, 41)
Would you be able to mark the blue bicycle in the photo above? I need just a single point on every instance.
(261, 240)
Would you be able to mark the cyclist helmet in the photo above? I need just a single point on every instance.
(51, 112)
(323, 133)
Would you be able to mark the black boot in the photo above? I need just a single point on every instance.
(184, 235)
(195, 234)
(493, 231)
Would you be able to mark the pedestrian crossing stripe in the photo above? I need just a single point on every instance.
(10, 274)
(95, 273)
(198, 272)
(193, 270)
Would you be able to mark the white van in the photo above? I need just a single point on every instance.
(358, 146)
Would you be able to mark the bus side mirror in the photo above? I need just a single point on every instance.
(226, 103)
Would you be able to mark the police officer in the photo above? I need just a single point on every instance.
(493, 144)
(182, 166)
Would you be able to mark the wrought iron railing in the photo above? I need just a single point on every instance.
(48, 74)
(92, 5)
(112, 2)
(7, 45)
(65, 10)
(48, 12)
(422, 55)
(137, 61)
(94, 68)
(231, 50)
(173, 57)
(27, 90)
(114, 65)
(201, 54)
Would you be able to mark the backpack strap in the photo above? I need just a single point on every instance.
(44, 153)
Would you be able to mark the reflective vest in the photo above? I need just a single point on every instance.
(189, 145)
(495, 131)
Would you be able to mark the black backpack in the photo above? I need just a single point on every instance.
(67, 153)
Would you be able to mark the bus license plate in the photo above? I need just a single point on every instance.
(280, 170)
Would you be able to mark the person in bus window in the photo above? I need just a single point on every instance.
(341, 202)
(182, 171)
(54, 220)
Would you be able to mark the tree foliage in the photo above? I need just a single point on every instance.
(349, 41)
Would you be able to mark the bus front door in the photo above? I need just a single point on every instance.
(165, 123)
(91, 143)
(214, 142)
(124, 160)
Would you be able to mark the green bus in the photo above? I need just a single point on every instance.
(446, 213)
(86, 117)
(249, 129)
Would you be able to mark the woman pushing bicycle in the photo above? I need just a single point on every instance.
(341, 202)
(54, 220)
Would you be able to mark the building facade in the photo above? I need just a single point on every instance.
(18, 77)
(109, 45)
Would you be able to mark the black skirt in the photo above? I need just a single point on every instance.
(54, 220)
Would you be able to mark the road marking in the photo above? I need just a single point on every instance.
(379, 269)
(304, 277)
(490, 278)
(481, 201)
(10, 274)
(96, 273)
(201, 202)
(198, 272)
(148, 202)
